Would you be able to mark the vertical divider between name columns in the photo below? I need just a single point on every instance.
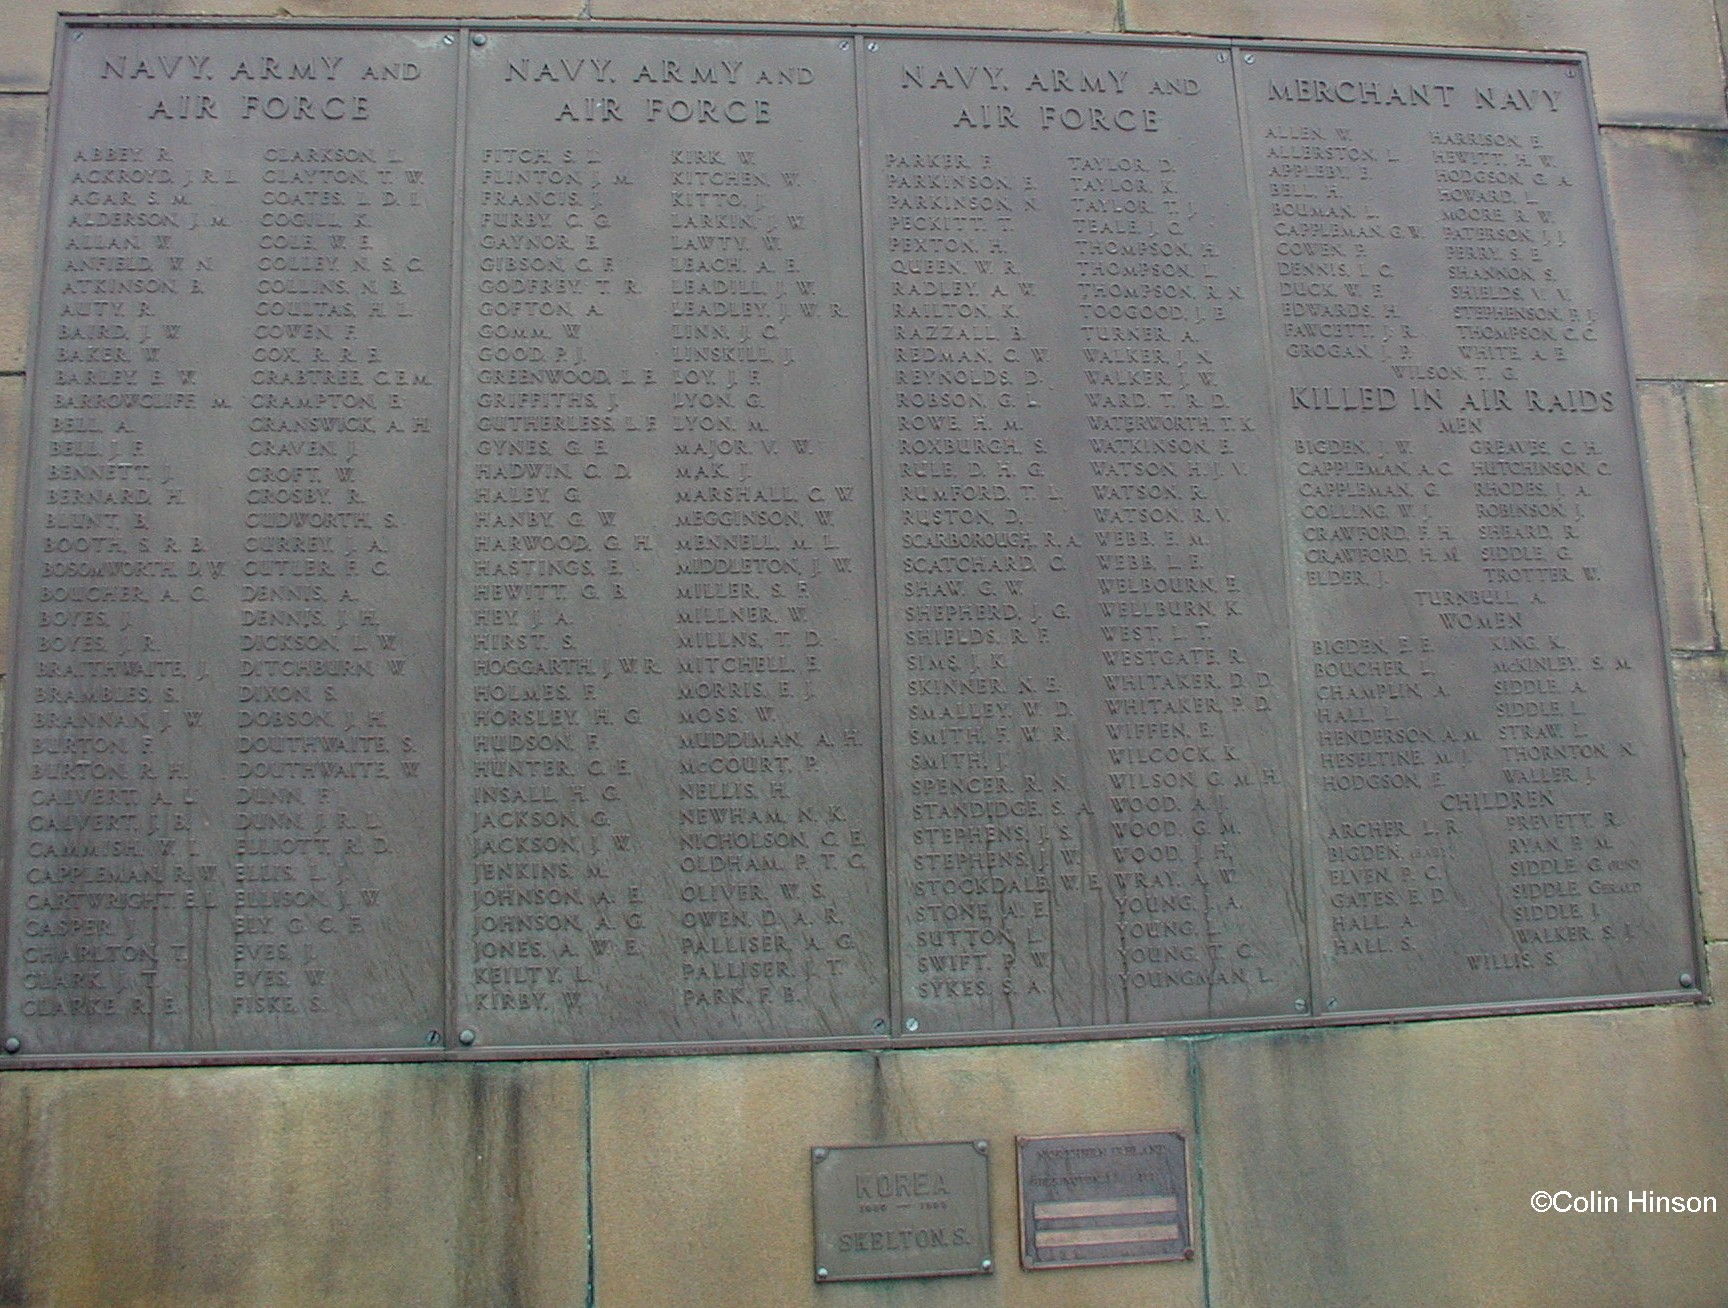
(452, 563)
(878, 480)
(1300, 841)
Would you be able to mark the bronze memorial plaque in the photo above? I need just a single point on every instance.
(1091, 718)
(566, 537)
(1086, 1200)
(227, 701)
(1493, 809)
(668, 757)
(891, 1211)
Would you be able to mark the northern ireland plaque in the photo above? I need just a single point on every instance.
(641, 537)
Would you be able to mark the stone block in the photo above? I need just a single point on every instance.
(1396, 1164)
(1668, 193)
(23, 141)
(701, 1173)
(1650, 64)
(1707, 420)
(1674, 501)
(725, 1216)
(1042, 15)
(1701, 693)
(524, 1210)
(303, 1186)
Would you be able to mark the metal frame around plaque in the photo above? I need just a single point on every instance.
(901, 655)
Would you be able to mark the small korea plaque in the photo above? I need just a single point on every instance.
(883, 1212)
(1093, 1199)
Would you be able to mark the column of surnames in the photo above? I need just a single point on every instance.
(1125, 533)
(669, 771)
(224, 832)
(1091, 719)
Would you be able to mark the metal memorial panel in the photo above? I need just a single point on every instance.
(1493, 809)
(668, 758)
(1091, 720)
(227, 706)
(547, 538)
